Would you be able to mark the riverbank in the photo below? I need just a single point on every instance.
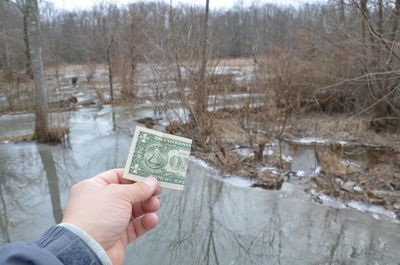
(331, 155)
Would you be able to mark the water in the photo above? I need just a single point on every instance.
(211, 222)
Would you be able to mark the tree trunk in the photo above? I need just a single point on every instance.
(380, 16)
(395, 20)
(364, 10)
(41, 109)
(202, 103)
(3, 33)
(110, 73)
(342, 17)
(28, 64)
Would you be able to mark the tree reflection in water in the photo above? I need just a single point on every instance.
(195, 238)
(24, 207)
(4, 215)
(49, 167)
(13, 183)
(210, 222)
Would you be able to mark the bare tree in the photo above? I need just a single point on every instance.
(202, 89)
(107, 19)
(342, 16)
(3, 37)
(395, 18)
(365, 12)
(41, 99)
(380, 16)
(22, 6)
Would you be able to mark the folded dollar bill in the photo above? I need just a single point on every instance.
(164, 156)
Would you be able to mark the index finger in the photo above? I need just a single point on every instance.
(115, 176)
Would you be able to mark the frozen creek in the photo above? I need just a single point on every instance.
(215, 220)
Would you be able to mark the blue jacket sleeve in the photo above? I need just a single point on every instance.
(58, 246)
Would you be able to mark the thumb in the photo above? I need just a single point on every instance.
(141, 190)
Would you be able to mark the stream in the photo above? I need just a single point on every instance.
(215, 220)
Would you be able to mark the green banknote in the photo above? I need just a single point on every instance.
(164, 156)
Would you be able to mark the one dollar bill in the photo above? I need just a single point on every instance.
(164, 156)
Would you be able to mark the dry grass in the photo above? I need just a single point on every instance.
(58, 134)
(236, 62)
(74, 68)
(379, 185)
(340, 128)
(222, 133)
(230, 130)
(16, 138)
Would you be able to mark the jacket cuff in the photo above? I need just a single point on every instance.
(71, 245)
(97, 249)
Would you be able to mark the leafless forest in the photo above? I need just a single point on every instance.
(338, 57)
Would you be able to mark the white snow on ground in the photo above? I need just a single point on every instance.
(268, 152)
(244, 152)
(247, 152)
(310, 140)
(200, 162)
(317, 170)
(268, 168)
(375, 210)
(366, 207)
(330, 201)
(351, 164)
(236, 181)
(289, 188)
(287, 158)
(314, 140)
(300, 173)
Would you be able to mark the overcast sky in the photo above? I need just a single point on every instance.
(85, 4)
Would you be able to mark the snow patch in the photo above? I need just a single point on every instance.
(351, 164)
(236, 181)
(376, 216)
(244, 152)
(310, 140)
(287, 158)
(268, 152)
(366, 207)
(300, 173)
(200, 162)
(376, 211)
(317, 170)
(262, 169)
(331, 201)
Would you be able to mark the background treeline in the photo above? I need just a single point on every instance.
(339, 56)
(82, 36)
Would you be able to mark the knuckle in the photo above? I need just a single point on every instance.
(142, 190)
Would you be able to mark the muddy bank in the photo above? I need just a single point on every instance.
(339, 128)
(343, 161)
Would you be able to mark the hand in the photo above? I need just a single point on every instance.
(113, 211)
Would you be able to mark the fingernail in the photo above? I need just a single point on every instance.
(151, 182)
